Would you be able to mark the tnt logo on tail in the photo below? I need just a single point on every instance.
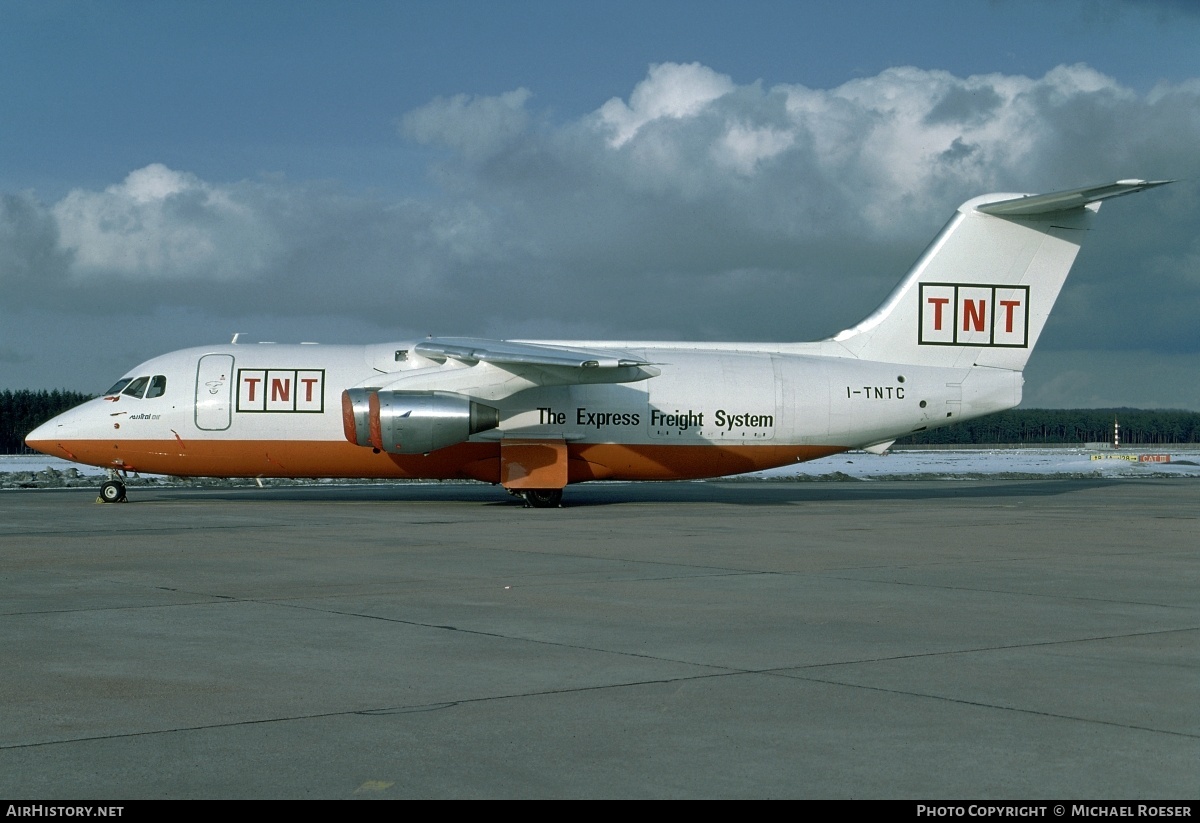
(975, 315)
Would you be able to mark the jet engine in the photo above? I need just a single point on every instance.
(411, 422)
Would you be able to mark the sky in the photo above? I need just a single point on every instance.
(354, 172)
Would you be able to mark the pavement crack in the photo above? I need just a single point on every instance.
(1016, 710)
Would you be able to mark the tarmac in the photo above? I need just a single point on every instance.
(986, 639)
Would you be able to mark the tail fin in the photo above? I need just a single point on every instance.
(981, 292)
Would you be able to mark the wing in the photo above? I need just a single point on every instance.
(508, 353)
(495, 369)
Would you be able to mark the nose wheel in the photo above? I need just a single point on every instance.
(112, 491)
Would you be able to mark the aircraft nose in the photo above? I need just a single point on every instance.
(68, 435)
(41, 438)
(54, 436)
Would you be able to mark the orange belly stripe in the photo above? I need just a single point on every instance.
(477, 461)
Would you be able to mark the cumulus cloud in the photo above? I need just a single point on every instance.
(670, 91)
(693, 207)
(475, 126)
(159, 223)
(29, 249)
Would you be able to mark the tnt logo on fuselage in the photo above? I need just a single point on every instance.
(281, 390)
(974, 315)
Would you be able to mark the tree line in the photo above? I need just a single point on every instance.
(1056, 426)
(22, 411)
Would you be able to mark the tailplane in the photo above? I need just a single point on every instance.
(981, 293)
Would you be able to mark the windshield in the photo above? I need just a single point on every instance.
(158, 386)
(136, 386)
(148, 387)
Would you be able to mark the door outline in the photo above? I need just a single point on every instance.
(214, 392)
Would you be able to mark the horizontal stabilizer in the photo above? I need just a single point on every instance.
(1032, 204)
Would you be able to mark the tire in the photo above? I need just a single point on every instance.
(543, 498)
(112, 491)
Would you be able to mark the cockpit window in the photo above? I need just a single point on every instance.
(158, 386)
(120, 384)
(136, 386)
(155, 386)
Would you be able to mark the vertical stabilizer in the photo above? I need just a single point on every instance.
(981, 293)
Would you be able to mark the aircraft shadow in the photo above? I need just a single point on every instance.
(590, 495)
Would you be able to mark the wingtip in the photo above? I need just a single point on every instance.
(1143, 184)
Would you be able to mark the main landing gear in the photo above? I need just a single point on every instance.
(112, 490)
(542, 498)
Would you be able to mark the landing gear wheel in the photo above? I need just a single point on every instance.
(112, 491)
(542, 498)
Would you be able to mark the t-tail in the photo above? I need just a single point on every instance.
(981, 293)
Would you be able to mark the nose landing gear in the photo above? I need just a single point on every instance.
(112, 490)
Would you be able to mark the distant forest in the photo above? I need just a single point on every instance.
(1053, 426)
(22, 411)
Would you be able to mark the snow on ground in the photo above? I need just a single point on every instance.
(966, 464)
(39, 462)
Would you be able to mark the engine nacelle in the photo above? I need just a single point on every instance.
(407, 422)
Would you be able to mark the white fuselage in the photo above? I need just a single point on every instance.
(277, 410)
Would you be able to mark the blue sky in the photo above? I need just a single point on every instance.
(173, 172)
